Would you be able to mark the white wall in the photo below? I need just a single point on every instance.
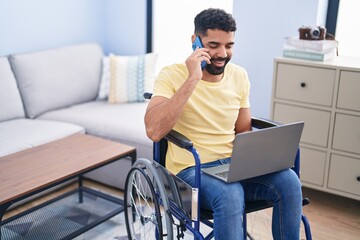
(322, 12)
(125, 26)
(262, 27)
(35, 24)
(119, 26)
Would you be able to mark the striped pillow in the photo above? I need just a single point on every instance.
(130, 77)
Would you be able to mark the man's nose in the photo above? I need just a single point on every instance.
(222, 53)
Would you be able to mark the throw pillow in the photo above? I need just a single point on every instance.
(105, 80)
(130, 77)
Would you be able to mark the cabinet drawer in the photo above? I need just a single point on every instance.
(347, 133)
(343, 174)
(305, 84)
(349, 86)
(317, 122)
(312, 165)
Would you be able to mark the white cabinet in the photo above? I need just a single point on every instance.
(326, 95)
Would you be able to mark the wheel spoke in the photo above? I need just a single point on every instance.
(144, 215)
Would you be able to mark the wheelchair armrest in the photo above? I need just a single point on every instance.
(263, 123)
(147, 95)
(178, 139)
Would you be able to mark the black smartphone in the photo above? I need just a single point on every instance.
(197, 43)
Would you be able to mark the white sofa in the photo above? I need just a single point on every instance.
(51, 94)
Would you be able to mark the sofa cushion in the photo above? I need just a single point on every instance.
(21, 134)
(57, 78)
(11, 104)
(119, 122)
(130, 77)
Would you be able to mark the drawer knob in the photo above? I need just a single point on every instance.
(358, 178)
(303, 84)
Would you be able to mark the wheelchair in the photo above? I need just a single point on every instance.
(157, 203)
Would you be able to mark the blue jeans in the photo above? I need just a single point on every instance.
(227, 201)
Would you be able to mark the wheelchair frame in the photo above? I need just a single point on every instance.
(172, 208)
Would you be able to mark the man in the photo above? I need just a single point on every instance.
(209, 106)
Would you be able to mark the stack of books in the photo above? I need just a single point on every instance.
(314, 50)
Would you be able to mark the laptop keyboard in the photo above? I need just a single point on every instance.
(222, 174)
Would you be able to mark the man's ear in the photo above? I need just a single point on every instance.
(193, 38)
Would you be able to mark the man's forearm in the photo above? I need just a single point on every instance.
(162, 114)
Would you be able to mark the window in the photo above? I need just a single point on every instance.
(173, 25)
(343, 16)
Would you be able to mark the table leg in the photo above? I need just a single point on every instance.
(133, 157)
(80, 183)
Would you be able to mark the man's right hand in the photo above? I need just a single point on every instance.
(193, 63)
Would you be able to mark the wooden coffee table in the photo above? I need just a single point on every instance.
(29, 172)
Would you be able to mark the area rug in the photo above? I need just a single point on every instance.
(112, 229)
(61, 218)
(67, 215)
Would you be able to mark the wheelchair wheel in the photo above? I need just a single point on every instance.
(145, 215)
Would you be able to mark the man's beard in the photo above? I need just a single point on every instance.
(215, 70)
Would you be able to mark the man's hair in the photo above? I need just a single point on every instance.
(214, 18)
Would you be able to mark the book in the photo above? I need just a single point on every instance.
(314, 45)
(308, 55)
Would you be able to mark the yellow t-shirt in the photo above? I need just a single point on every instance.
(209, 116)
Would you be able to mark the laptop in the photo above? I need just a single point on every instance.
(259, 152)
